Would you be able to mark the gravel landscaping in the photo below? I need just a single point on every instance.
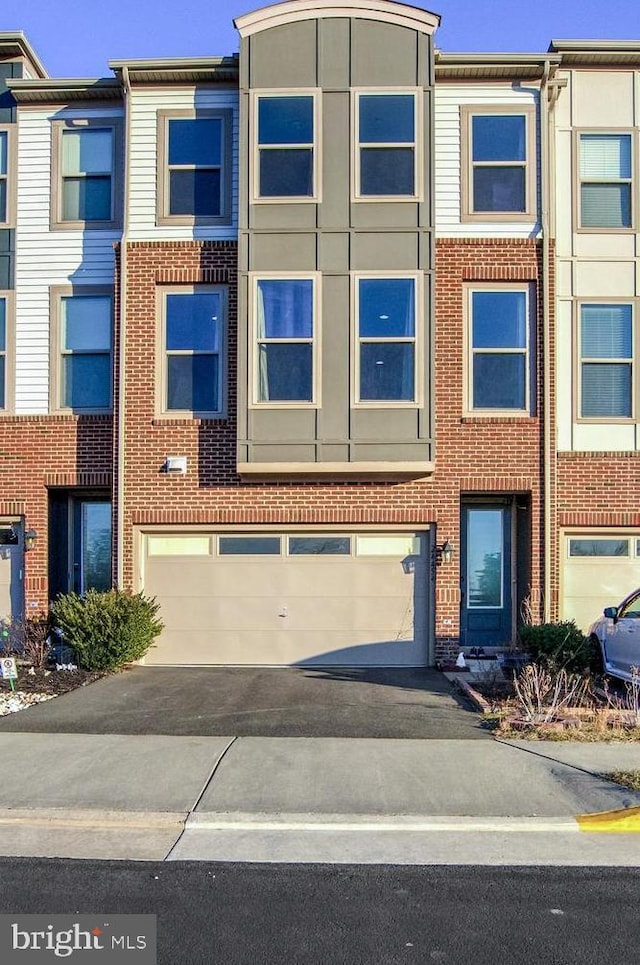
(35, 685)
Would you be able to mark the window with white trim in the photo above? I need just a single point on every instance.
(84, 323)
(86, 181)
(194, 167)
(4, 320)
(285, 145)
(606, 347)
(284, 325)
(386, 336)
(499, 324)
(386, 144)
(605, 168)
(4, 176)
(193, 345)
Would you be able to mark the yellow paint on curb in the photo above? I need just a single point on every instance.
(623, 821)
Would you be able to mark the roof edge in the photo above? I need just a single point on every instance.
(290, 11)
(24, 49)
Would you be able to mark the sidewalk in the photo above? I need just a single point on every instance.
(316, 799)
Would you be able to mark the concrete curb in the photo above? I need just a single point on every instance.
(91, 818)
(623, 821)
(241, 821)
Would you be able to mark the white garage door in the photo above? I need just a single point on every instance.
(277, 599)
(599, 570)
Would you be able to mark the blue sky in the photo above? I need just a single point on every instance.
(76, 38)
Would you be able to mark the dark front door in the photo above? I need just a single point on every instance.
(79, 542)
(485, 578)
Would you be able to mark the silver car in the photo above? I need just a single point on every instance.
(618, 633)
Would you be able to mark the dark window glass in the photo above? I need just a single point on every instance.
(285, 308)
(194, 193)
(194, 322)
(192, 382)
(606, 390)
(387, 119)
(286, 172)
(285, 120)
(499, 381)
(598, 547)
(387, 371)
(319, 546)
(3, 199)
(3, 324)
(86, 381)
(195, 141)
(2, 381)
(605, 205)
(285, 372)
(499, 189)
(386, 307)
(499, 137)
(387, 171)
(499, 319)
(86, 199)
(249, 546)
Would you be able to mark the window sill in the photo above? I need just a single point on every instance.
(504, 420)
(171, 420)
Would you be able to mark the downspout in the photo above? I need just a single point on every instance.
(119, 542)
(546, 147)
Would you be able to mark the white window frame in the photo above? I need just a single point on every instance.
(579, 180)
(315, 340)
(471, 352)
(57, 295)
(163, 217)
(315, 146)
(417, 340)
(468, 165)
(162, 354)
(7, 355)
(632, 360)
(10, 177)
(417, 145)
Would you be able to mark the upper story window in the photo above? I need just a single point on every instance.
(606, 361)
(498, 164)
(285, 126)
(386, 340)
(193, 337)
(5, 163)
(4, 324)
(194, 167)
(285, 338)
(498, 356)
(605, 168)
(81, 353)
(386, 145)
(86, 181)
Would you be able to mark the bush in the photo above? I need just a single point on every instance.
(560, 645)
(107, 630)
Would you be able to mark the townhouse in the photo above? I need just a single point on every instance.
(328, 345)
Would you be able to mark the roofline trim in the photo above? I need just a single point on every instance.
(291, 11)
(18, 38)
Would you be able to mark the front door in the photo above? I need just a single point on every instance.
(485, 579)
(11, 572)
(79, 542)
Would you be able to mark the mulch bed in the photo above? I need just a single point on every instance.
(54, 682)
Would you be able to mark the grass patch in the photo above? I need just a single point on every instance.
(630, 779)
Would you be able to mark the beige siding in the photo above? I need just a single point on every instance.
(44, 257)
(448, 100)
(144, 137)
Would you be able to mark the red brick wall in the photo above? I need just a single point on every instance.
(39, 452)
(472, 455)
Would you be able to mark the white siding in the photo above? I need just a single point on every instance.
(44, 257)
(143, 159)
(448, 100)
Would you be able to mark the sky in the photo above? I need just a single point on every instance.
(76, 38)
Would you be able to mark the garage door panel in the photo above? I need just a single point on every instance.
(590, 583)
(272, 610)
(251, 648)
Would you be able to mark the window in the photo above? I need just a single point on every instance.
(605, 181)
(82, 328)
(178, 545)
(386, 339)
(5, 165)
(499, 164)
(599, 547)
(319, 546)
(4, 321)
(386, 139)
(249, 546)
(194, 167)
(498, 360)
(606, 361)
(193, 343)
(285, 135)
(86, 188)
(284, 314)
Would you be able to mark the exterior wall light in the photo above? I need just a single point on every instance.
(443, 553)
(30, 538)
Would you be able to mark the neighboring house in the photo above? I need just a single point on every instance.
(279, 344)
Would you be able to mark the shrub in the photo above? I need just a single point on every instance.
(560, 645)
(107, 630)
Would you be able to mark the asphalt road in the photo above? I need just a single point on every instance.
(212, 914)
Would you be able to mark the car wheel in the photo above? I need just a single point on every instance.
(599, 654)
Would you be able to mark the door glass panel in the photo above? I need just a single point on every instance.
(485, 558)
(319, 545)
(96, 546)
(598, 547)
(249, 546)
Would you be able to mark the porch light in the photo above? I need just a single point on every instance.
(30, 538)
(443, 553)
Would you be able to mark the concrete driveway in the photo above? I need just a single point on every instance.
(250, 702)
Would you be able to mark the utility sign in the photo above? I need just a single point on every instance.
(8, 668)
